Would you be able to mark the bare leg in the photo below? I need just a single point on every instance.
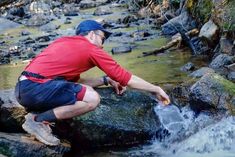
(90, 101)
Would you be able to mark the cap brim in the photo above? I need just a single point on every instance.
(106, 33)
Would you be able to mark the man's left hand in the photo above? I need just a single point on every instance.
(118, 88)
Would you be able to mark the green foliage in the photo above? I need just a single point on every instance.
(200, 9)
(229, 16)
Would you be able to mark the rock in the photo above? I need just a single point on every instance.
(180, 94)
(17, 12)
(37, 20)
(210, 32)
(202, 71)
(221, 61)
(231, 76)
(43, 38)
(102, 11)
(6, 24)
(25, 33)
(183, 20)
(226, 46)
(188, 67)
(39, 7)
(121, 49)
(118, 121)
(84, 4)
(50, 27)
(16, 145)
(71, 10)
(231, 67)
(144, 12)
(212, 92)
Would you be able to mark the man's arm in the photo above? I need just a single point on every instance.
(138, 83)
(93, 82)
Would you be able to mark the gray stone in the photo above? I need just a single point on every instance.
(183, 20)
(211, 92)
(16, 145)
(209, 31)
(102, 11)
(202, 71)
(188, 67)
(221, 61)
(6, 24)
(121, 49)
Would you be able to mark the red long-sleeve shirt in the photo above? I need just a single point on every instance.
(70, 56)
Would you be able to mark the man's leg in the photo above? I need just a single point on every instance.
(90, 101)
(35, 124)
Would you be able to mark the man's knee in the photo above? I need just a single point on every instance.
(92, 97)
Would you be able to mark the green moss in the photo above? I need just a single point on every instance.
(227, 85)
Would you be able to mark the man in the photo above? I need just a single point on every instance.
(48, 84)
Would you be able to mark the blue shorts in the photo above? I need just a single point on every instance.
(45, 96)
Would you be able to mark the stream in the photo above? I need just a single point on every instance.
(188, 135)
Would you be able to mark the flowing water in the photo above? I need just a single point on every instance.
(188, 135)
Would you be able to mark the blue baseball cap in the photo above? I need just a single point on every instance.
(91, 25)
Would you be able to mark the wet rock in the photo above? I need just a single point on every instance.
(37, 20)
(209, 32)
(13, 144)
(129, 19)
(188, 67)
(102, 11)
(28, 40)
(231, 76)
(181, 22)
(202, 71)
(212, 92)
(17, 12)
(121, 49)
(180, 94)
(231, 67)
(201, 47)
(71, 10)
(6, 24)
(67, 21)
(140, 35)
(43, 38)
(118, 121)
(25, 33)
(49, 27)
(84, 4)
(226, 46)
(144, 12)
(221, 61)
(39, 7)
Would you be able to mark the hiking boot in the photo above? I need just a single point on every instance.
(40, 130)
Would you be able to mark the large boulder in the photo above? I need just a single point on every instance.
(118, 121)
(209, 32)
(214, 92)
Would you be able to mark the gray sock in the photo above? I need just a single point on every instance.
(48, 116)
